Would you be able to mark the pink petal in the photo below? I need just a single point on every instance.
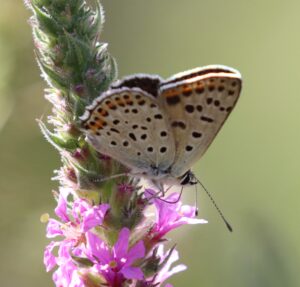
(132, 273)
(97, 248)
(121, 247)
(136, 252)
(49, 258)
(61, 209)
(64, 274)
(53, 228)
(94, 217)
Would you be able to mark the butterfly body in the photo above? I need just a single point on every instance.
(160, 128)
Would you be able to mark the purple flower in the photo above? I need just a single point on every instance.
(125, 187)
(165, 268)
(80, 219)
(75, 223)
(171, 215)
(49, 258)
(115, 263)
(67, 274)
(168, 270)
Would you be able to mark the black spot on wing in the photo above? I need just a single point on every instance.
(179, 124)
(132, 136)
(196, 134)
(189, 108)
(173, 100)
(206, 119)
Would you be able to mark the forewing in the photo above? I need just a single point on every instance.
(128, 125)
(198, 107)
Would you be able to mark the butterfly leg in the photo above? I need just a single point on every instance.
(160, 187)
(111, 177)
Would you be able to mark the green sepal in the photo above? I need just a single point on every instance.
(152, 265)
(87, 175)
(84, 181)
(109, 234)
(56, 140)
(92, 279)
(41, 37)
(41, 3)
(79, 109)
(96, 27)
(81, 262)
(106, 72)
(75, 5)
(53, 78)
(46, 22)
(92, 196)
(166, 259)
(58, 5)
(111, 71)
(77, 56)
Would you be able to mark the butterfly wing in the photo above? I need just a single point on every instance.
(147, 83)
(128, 125)
(198, 102)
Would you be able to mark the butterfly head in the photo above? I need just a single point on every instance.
(188, 178)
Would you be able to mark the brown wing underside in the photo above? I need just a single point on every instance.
(197, 109)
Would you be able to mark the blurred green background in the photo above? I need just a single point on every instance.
(252, 168)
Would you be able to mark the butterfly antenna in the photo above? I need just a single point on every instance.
(216, 206)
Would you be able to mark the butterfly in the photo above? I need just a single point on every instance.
(160, 128)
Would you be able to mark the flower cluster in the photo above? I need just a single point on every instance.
(105, 234)
(85, 256)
